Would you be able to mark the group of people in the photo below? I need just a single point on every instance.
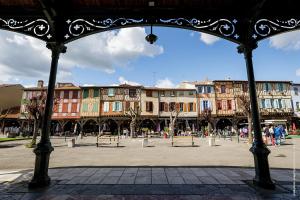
(274, 134)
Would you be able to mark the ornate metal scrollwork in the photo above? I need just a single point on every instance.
(222, 27)
(38, 28)
(264, 27)
(80, 27)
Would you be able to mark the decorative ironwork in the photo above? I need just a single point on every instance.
(38, 28)
(80, 27)
(265, 28)
(223, 27)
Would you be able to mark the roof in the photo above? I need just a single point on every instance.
(169, 89)
(10, 85)
(259, 81)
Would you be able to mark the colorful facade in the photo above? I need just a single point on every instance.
(107, 105)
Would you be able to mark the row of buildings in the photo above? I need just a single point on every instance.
(91, 108)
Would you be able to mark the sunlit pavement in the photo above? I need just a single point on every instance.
(148, 183)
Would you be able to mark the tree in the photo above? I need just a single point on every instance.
(134, 115)
(206, 116)
(35, 107)
(3, 115)
(244, 104)
(173, 117)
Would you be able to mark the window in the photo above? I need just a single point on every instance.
(223, 89)
(132, 92)
(66, 94)
(201, 89)
(279, 103)
(297, 106)
(181, 107)
(272, 103)
(117, 106)
(85, 93)
(276, 105)
(75, 95)
(191, 93)
(149, 106)
(166, 108)
(262, 103)
(191, 107)
(85, 107)
(74, 108)
(148, 93)
(267, 87)
(57, 94)
(172, 93)
(95, 107)
(219, 105)
(229, 105)
(205, 105)
(162, 93)
(209, 89)
(172, 106)
(161, 106)
(224, 105)
(65, 108)
(96, 92)
(106, 106)
(268, 103)
(111, 92)
(181, 93)
(280, 87)
(296, 91)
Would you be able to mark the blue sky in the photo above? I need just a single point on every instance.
(178, 55)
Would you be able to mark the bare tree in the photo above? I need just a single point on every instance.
(207, 117)
(3, 115)
(244, 104)
(134, 115)
(35, 108)
(173, 117)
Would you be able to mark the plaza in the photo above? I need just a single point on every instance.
(159, 171)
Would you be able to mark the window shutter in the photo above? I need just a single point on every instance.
(194, 107)
(166, 107)
(177, 107)
(201, 105)
(184, 107)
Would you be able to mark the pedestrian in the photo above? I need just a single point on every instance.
(277, 133)
(272, 137)
(267, 134)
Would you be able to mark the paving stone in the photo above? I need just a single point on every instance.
(200, 172)
(115, 173)
(88, 172)
(130, 170)
(175, 180)
(127, 180)
(144, 173)
(208, 180)
(94, 180)
(78, 180)
(143, 180)
(110, 180)
(191, 179)
(159, 179)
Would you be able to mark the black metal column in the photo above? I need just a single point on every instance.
(44, 147)
(258, 149)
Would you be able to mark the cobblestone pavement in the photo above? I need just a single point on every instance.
(148, 183)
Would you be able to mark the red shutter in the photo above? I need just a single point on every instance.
(74, 108)
(166, 107)
(65, 108)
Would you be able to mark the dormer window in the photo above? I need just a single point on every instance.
(111, 92)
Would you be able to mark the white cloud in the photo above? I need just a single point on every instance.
(286, 41)
(165, 83)
(122, 80)
(24, 57)
(298, 72)
(208, 39)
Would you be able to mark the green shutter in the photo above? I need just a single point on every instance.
(95, 107)
(84, 107)
(96, 92)
(85, 93)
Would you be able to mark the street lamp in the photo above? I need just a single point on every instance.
(151, 38)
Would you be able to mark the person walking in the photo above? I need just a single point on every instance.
(277, 133)
(272, 137)
(267, 134)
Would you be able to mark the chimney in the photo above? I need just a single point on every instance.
(40, 84)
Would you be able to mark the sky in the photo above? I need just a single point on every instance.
(123, 56)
